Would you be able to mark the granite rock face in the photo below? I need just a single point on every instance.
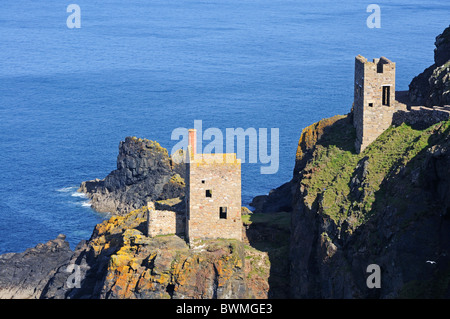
(25, 275)
(145, 172)
(432, 86)
(399, 222)
(277, 200)
(120, 261)
(442, 51)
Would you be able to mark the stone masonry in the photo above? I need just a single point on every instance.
(374, 99)
(420, 117)
(376, 103)
(213, 199)
(213, 195)
(164, 222)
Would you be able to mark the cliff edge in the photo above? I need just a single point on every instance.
(145, 172)
(25, 275)
(119, 261)
(389, 205)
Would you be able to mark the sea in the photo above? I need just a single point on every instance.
(144, 68)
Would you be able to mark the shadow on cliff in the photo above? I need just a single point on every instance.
(92, 270)
(270, 228)
(407, 230)
(269, 232)
(337, 131)
(340, 134)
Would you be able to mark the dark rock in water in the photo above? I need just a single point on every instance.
(25, 275)
(278, 200)
(145, 172)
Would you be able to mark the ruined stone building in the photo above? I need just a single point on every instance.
(376, 105)
(213, 199)
(374, 99)
(213, 194)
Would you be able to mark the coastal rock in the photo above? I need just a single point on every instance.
(119, 262)
(145, 172)
(281, 198)
(25, 275)
(442, 51)
(350, 211)
(432, 86)
(277, 200)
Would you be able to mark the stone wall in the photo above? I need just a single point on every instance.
(164, 222)
(372, 112)
(420, 117)
(213, 182)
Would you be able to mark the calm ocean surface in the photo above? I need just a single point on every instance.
(143, 68)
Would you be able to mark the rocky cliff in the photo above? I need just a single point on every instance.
(25, 275)
(388, 206)
(145, 172)
(432, 86)
(120, 261)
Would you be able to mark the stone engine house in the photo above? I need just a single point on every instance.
(212, 200)
(374, 99)
(213, 194)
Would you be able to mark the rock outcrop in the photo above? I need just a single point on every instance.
(145, 172)
(387, 206)
(278, 200)
(25, 275)
(432, 86)
(120, 261)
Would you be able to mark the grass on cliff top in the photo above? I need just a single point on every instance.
(143, 142)
(281, 220)
(334, 165)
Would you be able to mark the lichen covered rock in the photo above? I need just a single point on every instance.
(386, 206)
(120, 261)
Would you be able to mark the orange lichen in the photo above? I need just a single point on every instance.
(311, 135)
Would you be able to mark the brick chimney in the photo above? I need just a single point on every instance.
(192, 141)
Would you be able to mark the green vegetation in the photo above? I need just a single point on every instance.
(269, 235)
(281, 220)
(344, 185)
(177, 179)
(259, 263)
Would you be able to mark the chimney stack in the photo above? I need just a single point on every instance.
(193, 141)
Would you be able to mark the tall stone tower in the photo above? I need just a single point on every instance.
(213, 194)
(374, 99)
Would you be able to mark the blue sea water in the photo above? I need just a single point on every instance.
(143, 68)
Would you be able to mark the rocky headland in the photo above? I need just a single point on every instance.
(145, 172)
(388, 206)
(25, 275)
(120, 261)
(312, 237)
